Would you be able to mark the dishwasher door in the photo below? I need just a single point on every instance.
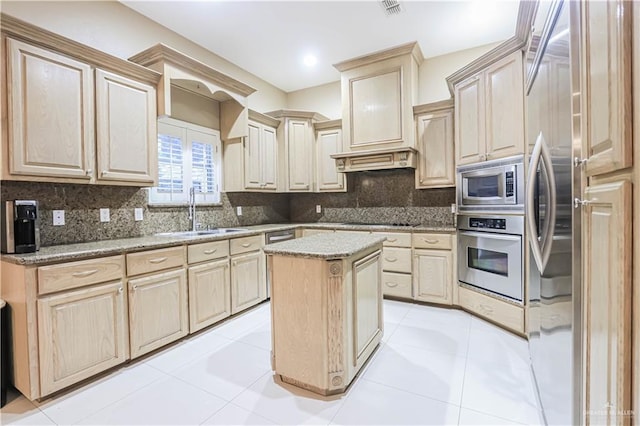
(276, 237)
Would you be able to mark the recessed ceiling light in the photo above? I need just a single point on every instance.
(310, 60)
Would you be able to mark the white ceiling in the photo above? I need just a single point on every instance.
(270, 38)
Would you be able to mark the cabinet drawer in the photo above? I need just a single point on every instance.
(154, 260)
(207, 251)
(398, 285)
(246, 244)
(498, 311)
(396, 259)
(70, 275)
(395, 239)
(432, 241)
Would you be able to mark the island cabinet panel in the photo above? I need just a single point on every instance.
(158, 312)
(80, 333)
(367, 305)
(209, 294)
(50, 98)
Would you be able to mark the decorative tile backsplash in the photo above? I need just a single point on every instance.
(373, 197)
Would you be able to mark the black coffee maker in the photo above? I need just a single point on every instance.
(20, 226)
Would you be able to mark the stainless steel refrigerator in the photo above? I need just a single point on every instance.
(553, 226)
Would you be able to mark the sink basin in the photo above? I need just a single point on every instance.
(217, 231)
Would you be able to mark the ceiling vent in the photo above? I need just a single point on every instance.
(391, 7)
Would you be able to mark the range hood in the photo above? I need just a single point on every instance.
(376, 159)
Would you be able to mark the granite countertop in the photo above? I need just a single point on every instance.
(68, 252)
(325, 246)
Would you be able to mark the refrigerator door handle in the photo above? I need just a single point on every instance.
(541, 247)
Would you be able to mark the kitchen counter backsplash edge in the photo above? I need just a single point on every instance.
(78, 251)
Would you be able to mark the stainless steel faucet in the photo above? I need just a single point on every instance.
(192, 208)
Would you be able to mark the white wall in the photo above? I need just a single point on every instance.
(113, 28)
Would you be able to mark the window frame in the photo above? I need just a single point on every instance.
(185, 131)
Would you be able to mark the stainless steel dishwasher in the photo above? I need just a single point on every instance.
(276, 237)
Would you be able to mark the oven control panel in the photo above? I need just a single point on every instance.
(487, 223)
(509, 184)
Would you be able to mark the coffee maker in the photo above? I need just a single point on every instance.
(20, 229)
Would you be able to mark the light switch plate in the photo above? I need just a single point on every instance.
(239, 210)
(58, 217)
(318, 208)
(137, 214)
(104, 215)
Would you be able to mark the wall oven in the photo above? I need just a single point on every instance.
(490, 253)
(492, 186)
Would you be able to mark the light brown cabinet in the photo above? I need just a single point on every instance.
(70, 120)
(81, 333)
(328, 142)
(260, 157)
(434, 140)
(433, 268)
(209, 294)
(158, 312)
(489, 112)
(248, 285)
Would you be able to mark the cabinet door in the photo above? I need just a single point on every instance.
(300, 155)
(252, 160)
(157, 310)
(606, 351)
(606, 85)
(328, 179)
(469, 121)
(268, 163)
(248, 285)
(432, 276)
(126, 130)
(209, 294)
(367, 300)
(80, 333)
(435, 147)
(504, 107)
(50, 114)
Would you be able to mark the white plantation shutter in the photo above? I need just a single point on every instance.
(188, 155)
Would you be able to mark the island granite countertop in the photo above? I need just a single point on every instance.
(78, 251)
(325, 246)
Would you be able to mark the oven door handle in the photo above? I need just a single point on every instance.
(541, 247)
(491, 235)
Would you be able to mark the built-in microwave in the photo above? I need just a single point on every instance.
(491, 186)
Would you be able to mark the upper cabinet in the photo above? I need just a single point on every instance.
(378, 94)
(489, 112)
(296, 149)
(434, 137)
(328, 142)
(74, 114)
(606, 85)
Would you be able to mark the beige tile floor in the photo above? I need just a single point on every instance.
(435, 366)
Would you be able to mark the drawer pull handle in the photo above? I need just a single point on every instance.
(390, 259)
(430, 241)
(486, 309)
(210, 251)
(158, 260)
(389, 284)
(84, 273)
(392, 240)
(245, 245)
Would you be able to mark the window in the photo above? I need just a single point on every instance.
(188, 156)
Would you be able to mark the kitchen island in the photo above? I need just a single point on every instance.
(326, 308)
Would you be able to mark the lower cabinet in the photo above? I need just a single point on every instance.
(432, 276)
(248, 285)
(158, 312)
(80, 333)
(209, 294)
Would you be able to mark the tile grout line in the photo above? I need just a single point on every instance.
(466, 362)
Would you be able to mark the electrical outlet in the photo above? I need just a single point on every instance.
(453, 208)
(58, 217)
(318, 208)
(104, 215)
(239, 210)
(137, 213)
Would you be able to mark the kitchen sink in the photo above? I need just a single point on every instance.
(217, 231)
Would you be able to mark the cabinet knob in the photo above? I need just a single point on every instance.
(89, 172)
(134, 288)
(120, 290)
